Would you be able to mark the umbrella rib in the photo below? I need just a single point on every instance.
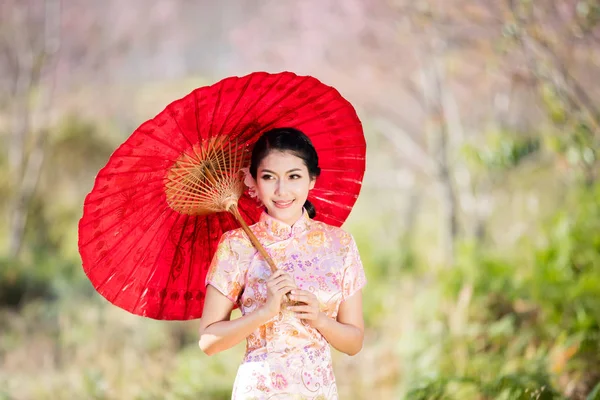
(334, 203)
(129, 252)
(162, 299)
(178, 198)
(236, 159)
(317, 116)
(154, 195)
(93, 268)
(156, 138)
(222, 159)
(328, 192)
(199, 184)
(143, 156)
(199, 157)
(197, 115)
(190, 265)
(209, 204)
(338, 170)
(235, 104)
(215, 108)
(128, 172)
(96, 199)
(189, 180)
(234, 149)
(180, 130)
(179, 195)
(336, 128)
(258, 99)
(240, 157)
(219, 155)
(185, 182)
(280, 99)
(190, 183)
(153, 262)
(187, 162)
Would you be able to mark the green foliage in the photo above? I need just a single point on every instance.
(502, 151)
(49, 265)
(549, 294)
(216, 373)
(595, 394)
(554, 104)
(588, 14)
(568, 267)
(572, 138)
(518, 386)
(510, 325)
(20, 283)
(579, 148)
(78, 146)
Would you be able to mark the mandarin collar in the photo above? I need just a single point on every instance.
(282, 230)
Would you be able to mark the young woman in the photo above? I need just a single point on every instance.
(287, 353)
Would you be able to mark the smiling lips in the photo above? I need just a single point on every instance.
(283, 204)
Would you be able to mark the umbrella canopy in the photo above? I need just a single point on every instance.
(142, 249)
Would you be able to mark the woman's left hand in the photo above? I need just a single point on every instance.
(309, 311)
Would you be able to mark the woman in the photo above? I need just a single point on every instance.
(287, 354)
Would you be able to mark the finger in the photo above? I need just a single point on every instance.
(284, 290)
(280, 272)
(280, 278)
(277, 274)
(308, 316)
(304, 293)
(303, 298)
(285, 282)
(302, 309)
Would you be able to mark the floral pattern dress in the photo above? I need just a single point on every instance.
(286, 358)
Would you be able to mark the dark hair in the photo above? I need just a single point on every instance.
(290, 140)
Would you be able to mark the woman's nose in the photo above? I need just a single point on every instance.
(280, 187)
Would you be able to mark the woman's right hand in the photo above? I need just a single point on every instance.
(278, 284)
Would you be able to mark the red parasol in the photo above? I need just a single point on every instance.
(145, 253)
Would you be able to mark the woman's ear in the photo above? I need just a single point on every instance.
(312, 184)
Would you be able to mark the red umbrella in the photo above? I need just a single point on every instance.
(146, 254)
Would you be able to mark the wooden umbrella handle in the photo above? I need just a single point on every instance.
(236, 213)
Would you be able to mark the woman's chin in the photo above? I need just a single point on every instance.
(289, 214)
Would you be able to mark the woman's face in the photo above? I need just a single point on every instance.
(282, 183)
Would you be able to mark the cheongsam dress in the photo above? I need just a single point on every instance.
(287, 358)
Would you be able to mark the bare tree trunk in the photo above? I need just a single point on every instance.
(25, 166)
(420, 160)
(409, 218)
(438, 134)
(545, 64)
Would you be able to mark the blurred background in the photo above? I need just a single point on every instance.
(478, 222)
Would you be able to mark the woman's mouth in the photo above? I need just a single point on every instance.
(283, 204)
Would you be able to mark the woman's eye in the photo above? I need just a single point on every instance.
(266, 177)
(295, 176)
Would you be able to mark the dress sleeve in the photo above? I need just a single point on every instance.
(354, 274)
(226, 272)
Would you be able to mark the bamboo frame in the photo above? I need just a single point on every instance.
(207, 180)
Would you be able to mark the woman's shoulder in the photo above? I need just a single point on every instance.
(332, 231)
(236, 237)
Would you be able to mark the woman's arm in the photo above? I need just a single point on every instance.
(218, 332)
(344, 334)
